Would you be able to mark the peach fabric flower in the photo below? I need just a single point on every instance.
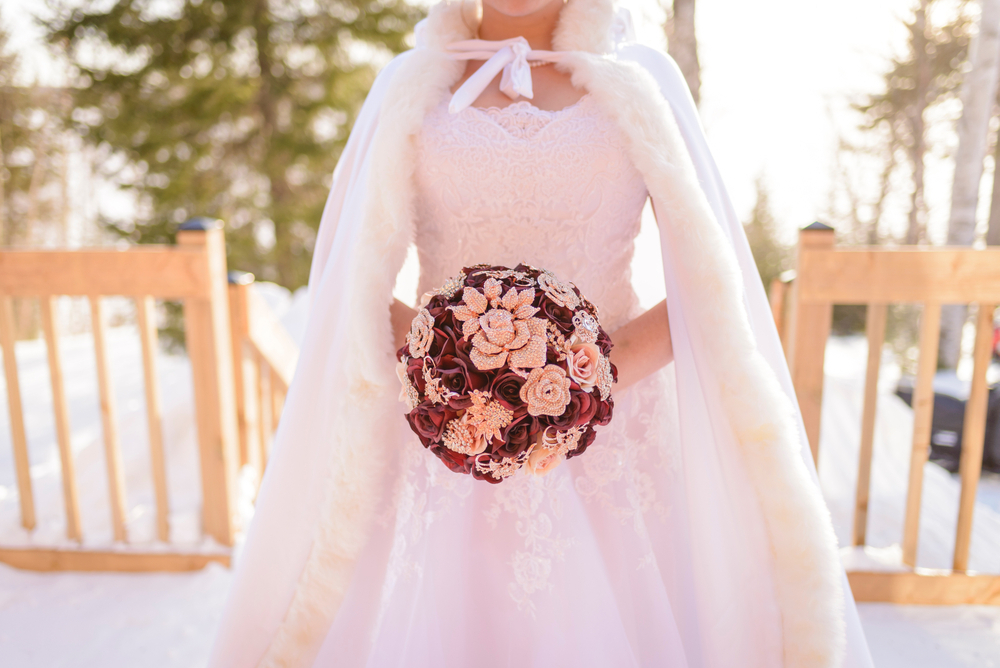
(507, 333)
(559, 292)
(460, 436)
(584, 362)
(421, 333)
(541, 460)
(407, 393)
(546, 391)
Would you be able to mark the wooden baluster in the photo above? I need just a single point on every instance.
(973, 431)
(810, 328)
(209, 348)
(923, 412)
(239, 285)
(875, 329)
(277, 400)
(109, 421)
(250, 390)
(776, 295)
(71, 496)
(21, 462)
(154, 412)
(266, 416)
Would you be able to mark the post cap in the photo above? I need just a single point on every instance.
(240, 277)
(817, 227)
(200, 224)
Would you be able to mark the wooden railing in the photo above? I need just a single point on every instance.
(874, 276)
(233, 342)
(264, 359)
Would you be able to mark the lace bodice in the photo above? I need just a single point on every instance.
(554, 189)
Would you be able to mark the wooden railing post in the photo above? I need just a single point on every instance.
(209, 347)
(810, 328)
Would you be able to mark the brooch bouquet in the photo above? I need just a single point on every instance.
(506, 369)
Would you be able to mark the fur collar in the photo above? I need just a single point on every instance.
(583, 25)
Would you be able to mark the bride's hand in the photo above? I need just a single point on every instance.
(401, 316)
(642, 346)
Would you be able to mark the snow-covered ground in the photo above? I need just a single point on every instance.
(166, 620)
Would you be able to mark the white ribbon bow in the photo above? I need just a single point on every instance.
(510, 55)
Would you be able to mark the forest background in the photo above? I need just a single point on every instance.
(120, 119)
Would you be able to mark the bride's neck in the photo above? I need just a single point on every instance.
(537, 27)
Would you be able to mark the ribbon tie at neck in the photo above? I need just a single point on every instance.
(510, 55)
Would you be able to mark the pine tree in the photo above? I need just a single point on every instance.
(236, 109)
(21, 164)
(682, 44)
(929, 74)
(770, 255)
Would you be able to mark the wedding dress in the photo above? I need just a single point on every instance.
(585, 566)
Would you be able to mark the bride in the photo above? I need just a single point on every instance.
(691, 533)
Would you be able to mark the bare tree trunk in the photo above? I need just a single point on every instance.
(885, 181)
(682, 44)
(37, 172)
(64, 194)
(3, 200)
(915, 228)
(993, 231)
(979, 89)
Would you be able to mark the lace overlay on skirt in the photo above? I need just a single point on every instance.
(565, 569)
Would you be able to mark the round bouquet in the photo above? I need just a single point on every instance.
(505, 369)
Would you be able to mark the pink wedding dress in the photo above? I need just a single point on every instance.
(590, 565)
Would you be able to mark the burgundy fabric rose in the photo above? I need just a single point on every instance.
(602, 416)
(428, 421)
(506, 388)
(455, 461)
(560, 315)
(518, 437)
(581, 410)
(585, 442)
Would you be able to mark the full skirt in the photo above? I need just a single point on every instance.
(593, 564)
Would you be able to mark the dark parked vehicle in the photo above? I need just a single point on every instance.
(947, 423)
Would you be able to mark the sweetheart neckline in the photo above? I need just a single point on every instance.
(526, 105)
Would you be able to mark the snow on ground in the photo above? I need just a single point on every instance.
(925, 636)
(109, 620)
(167, 620)
(840, 437)
(79, 370)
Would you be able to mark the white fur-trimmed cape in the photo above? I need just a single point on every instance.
(335, 504)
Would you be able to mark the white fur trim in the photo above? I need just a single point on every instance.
(354, 476)
(584, 25)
